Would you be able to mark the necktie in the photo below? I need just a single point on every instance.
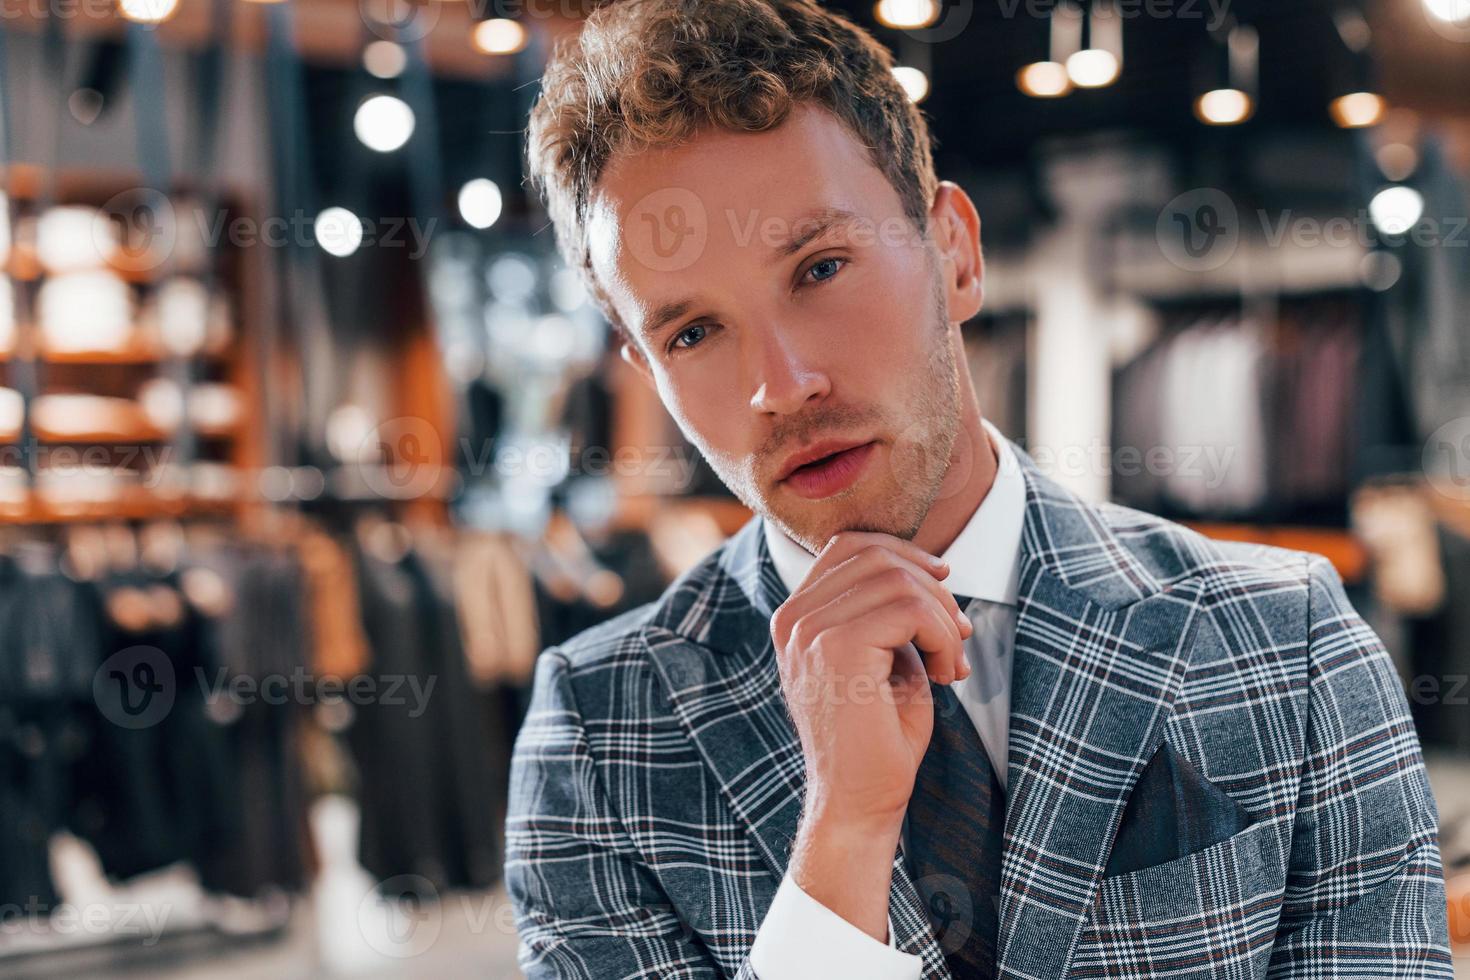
(956, 826)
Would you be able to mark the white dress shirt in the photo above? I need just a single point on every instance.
(800, 938)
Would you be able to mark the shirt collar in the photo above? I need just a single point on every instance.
(984, 559)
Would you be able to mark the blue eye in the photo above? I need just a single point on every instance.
(825, 269)
(698, 331)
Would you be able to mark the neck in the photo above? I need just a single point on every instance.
(972, 467)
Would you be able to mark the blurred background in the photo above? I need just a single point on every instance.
(311, 444)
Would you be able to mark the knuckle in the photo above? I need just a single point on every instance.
(781, 623)
(913, 605)
(896, 578)
(819, 654)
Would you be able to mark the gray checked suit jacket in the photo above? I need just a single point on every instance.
(657, 782)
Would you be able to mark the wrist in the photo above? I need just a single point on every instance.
(845, 862)
(854, 815)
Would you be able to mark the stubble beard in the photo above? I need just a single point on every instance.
(918, 461)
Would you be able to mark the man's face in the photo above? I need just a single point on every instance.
(783, 304)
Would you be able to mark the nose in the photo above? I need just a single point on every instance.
(788, 378)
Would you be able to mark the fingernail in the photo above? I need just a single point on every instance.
(961, 618)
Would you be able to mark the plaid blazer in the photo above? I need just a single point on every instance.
(657, 782)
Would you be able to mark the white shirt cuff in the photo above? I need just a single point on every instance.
(800, 938)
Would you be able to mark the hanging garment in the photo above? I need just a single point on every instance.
(1251, 421)
(1440, 655)
(339, 646)
(497, 607)
(430, 780)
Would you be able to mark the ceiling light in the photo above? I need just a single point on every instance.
(480, 202)
(1357, 110)
(1229, 79)
(906, 14)
(383, 123)
(1093, 68)
(1396, 209)
(1449, 11)
(384, 59)
(915, 83)
(1223, 107)
(1044, 80)
(499, 35)
(147, 11)
(1380, 271)
(1398, 161)
(338, 231)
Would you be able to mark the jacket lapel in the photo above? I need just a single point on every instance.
(712, 648)
(1100, 650)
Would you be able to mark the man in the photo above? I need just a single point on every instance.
(1087, 742)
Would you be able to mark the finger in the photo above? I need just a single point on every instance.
(871, 564)
(845, 544)
(943, 648)
(866, 580)
(887, 626)
(909, 681)
(908, 687)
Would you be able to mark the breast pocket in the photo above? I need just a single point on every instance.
(1212, 913)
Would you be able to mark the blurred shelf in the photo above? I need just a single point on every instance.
(23, 265)
(137, 352)
(130, 504)
(106, 427)
(1340, 547)
(140, 434)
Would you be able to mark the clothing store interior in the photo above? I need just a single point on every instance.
(312, 443)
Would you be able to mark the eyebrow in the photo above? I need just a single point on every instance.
(817, 223)
(814, 224)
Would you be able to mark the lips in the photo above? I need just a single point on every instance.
(826, 469)
(814, 453)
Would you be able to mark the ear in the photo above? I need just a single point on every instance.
(638, 362)
(955, 226)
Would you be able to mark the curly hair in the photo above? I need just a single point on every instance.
(644, 73)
